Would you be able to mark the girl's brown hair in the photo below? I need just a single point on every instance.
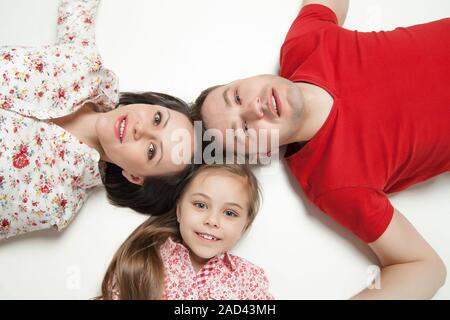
(136, 270)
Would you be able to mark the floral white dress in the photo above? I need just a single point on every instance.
(45, 172)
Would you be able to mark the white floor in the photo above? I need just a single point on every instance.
(181, 47)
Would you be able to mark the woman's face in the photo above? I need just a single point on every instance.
(146, 140)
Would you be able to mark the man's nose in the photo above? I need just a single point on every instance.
(253, 110)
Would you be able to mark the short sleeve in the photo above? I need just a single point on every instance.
(310, 18)
(263, 292)
(257, 285)
(305, 36)
(364, 211)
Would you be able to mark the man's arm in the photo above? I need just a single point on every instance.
(411, 269)
(339, 7)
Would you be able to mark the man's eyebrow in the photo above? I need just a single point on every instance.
(225, 97)
(228, 105)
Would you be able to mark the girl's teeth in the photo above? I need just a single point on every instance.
(207, 236)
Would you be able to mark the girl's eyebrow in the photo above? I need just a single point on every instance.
(227, 203)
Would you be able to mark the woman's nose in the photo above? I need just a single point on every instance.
(142, 130)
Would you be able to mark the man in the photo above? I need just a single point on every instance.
(363, 115)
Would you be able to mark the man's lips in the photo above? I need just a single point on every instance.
(274, 103)
(118, 125)
(278, 102)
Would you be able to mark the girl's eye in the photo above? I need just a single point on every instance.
(157, 119)
(230, 213)
(199, 205)
(151, 151)
(237, 98)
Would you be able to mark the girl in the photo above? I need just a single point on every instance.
(184, 254)
(59, 121)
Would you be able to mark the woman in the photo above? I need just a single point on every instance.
(59, 121)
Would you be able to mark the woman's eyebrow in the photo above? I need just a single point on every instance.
(161, 143)
(167, 118)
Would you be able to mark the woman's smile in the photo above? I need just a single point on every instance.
(120, 127)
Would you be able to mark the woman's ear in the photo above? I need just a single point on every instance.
(132, 178)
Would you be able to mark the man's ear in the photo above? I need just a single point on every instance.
(132, 178)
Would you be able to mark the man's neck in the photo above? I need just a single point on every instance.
(317, 106)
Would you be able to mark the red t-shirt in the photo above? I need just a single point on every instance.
(389, 126)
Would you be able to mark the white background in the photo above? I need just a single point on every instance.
(181, 47)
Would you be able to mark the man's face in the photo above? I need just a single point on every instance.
(252, 104)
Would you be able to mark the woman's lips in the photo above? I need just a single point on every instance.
(117, 126)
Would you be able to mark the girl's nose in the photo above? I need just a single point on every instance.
(212, 220)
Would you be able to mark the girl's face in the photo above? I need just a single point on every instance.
(140, 139)
(213, 213)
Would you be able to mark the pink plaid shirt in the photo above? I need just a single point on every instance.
(223, 277)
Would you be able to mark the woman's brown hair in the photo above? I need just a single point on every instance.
(136, 270)
(156, 195)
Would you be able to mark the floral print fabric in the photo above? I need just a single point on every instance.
(45, 172)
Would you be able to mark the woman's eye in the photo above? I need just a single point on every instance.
(157, 119)
(199, 205)
(151, 151)
(237, 98)
(230, 213)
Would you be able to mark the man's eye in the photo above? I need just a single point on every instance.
(157, 119)
(237, 98)
(245, 127)
(151, 151)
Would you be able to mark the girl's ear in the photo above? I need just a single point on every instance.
(178, 211)
(132, 178)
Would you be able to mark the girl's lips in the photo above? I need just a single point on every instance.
(204, 239)
(117, 127)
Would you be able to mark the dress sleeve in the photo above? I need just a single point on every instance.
(364, 211)
(50, 81)
(76, 20)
